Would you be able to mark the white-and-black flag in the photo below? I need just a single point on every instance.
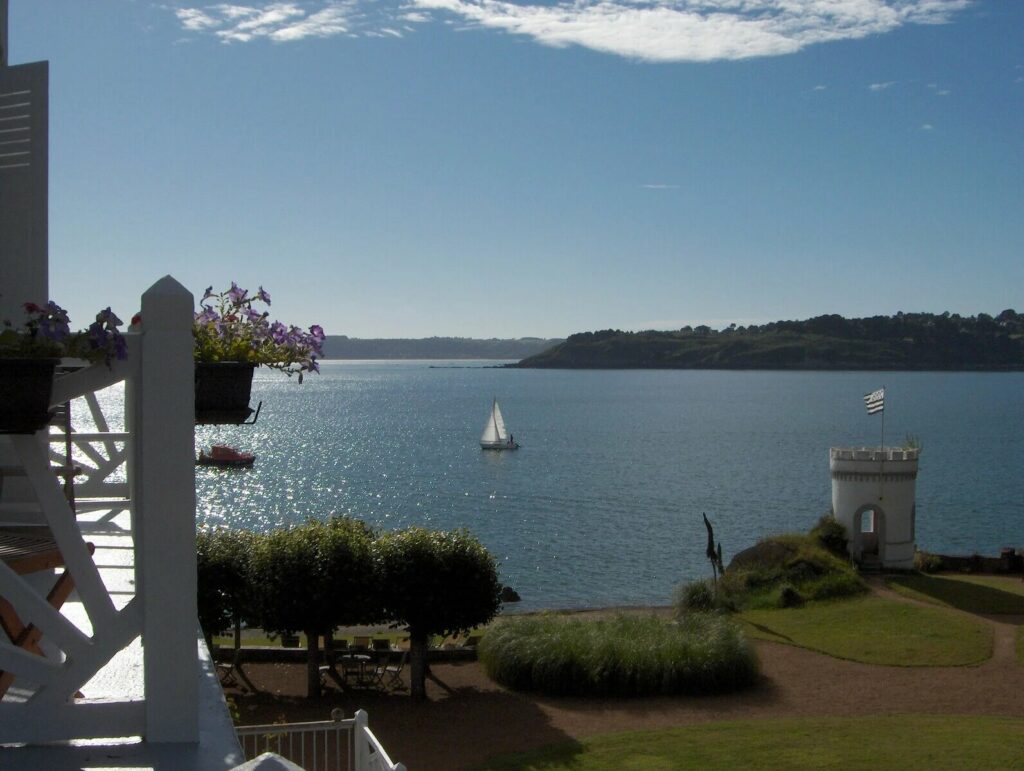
(875, 401)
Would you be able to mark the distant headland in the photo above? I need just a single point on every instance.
(342, 347)
(906, 341)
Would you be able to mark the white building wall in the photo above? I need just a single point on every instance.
(24, 173)
(884, 481)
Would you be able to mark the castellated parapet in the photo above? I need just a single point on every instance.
(874, 497)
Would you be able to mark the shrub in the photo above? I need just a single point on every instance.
(694, 597)
(789, 597)
(832, 536)
(799, 561)
(623, 656)
(927, 563)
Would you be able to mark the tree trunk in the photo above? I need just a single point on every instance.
(417, 665)
(312, 665)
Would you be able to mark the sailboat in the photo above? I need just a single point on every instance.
(495, 436)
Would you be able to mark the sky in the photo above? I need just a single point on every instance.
(499, 168)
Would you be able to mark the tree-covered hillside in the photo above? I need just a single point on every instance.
(913, 341)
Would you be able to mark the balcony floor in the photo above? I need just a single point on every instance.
(122, 678)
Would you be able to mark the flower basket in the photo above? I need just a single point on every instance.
(25, 389)
(222, 392)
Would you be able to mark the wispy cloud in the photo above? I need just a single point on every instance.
(819, 87)
(934, 88)
(647, 30)
(882, 86)
(281, 22)
(660, 186)
(927, 127)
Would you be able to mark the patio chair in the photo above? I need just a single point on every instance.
(390, 675)
(28, 550)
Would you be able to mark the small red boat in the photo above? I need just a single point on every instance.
(222, 455)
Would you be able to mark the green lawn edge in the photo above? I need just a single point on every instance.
(876, 630)
(974, 594)
(881, 743)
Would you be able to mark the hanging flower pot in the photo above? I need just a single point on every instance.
(222, 392)
(25, 388)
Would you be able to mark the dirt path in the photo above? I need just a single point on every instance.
(468, 718)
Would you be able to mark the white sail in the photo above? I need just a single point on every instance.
(499, 422)
(495, 435)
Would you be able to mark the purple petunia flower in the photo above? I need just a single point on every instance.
(263, 295)
(237, 294)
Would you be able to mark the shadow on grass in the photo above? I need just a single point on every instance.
(967, 596)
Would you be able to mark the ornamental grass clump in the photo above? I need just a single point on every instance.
(622, 656)
(229, 328)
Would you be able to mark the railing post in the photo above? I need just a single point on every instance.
(361, 745)
(164, 497)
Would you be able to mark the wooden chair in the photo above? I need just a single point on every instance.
(31, 550)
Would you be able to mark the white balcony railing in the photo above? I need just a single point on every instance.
(146, 470)
(329, 745)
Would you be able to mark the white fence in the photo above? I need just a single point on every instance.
(328, 745)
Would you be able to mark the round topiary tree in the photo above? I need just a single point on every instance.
(311, 578)
(435, 583)
(224, 589)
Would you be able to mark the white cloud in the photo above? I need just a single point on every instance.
(882, 86)
(696, 30)
(647, 30)
(660, 186)
(927, 127)
(278, 21)
(818, 87)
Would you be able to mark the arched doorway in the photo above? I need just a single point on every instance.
(868, 535)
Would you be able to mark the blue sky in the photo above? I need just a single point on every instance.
(479, 168)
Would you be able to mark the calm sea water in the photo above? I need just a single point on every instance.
(602, 504)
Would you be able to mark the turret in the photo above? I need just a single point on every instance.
(873, 496)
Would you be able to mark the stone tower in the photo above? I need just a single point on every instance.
(873, 496)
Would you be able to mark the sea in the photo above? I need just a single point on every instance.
(601, 506)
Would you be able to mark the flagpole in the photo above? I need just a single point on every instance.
(882, 446)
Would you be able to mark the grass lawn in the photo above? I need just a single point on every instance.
(875, 630)
(974, 594)
(894, 742)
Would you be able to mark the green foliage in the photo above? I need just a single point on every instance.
(313, 577)
(624, 656)
(912, 341)
(832, 535)
(927, 563)
(437, 582)
(224, 587)
(799, 561)
(694, 597)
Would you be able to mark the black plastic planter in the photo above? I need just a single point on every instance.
(25, 389)
(222, 392)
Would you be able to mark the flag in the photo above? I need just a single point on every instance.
(875, 401)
